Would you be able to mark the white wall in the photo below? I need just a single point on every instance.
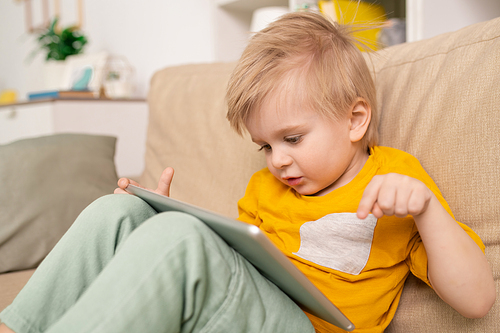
(152, 34)
(15, 47)
(231, 33)
(429, 18)
(450, 15)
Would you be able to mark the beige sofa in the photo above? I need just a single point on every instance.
(439, 100)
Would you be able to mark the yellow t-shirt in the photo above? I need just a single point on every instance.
(360, 265)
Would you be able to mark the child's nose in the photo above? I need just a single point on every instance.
(280, 159)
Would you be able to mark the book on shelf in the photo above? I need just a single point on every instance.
(63, 94)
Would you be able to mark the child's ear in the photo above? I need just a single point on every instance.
(361, 114)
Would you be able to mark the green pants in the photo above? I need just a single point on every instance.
(123, 268)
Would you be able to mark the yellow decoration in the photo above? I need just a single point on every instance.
(358, 13)
(8, 97)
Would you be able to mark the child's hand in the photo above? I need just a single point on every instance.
(394, 194)
(456, 267)
(163, 185)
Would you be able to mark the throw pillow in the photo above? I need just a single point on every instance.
(45, 183)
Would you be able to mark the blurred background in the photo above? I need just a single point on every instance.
(138, 37)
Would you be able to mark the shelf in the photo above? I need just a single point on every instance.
(249, 5)
(47, 100)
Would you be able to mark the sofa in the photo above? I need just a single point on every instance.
(439, 99)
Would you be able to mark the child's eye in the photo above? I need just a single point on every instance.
(265, 148)
(294, 139)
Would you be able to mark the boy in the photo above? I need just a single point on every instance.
(305, 95)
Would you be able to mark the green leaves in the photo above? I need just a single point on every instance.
(60, 45)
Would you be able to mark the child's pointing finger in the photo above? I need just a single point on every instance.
(369, 199)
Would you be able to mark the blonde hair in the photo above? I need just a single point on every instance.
(333, 72)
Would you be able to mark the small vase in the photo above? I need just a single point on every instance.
(54, 75)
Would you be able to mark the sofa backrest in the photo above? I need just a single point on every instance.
(188, 131)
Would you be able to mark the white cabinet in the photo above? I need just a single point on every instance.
(126, 120)
(29, 120)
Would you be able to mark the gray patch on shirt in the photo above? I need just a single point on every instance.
(338, 241)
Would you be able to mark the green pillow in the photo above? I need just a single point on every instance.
(45, 183)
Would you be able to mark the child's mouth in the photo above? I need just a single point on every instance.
(294, 181)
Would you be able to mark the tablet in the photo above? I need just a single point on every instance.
(254, 245)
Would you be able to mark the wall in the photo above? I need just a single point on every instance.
(457, 14)
(151, 34)
(429, 18)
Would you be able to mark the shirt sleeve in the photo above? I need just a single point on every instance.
(248, 205)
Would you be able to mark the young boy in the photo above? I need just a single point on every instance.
(305, 95)
(354, 217)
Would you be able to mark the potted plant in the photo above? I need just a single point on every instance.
(58, 45)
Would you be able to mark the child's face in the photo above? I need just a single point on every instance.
(305, 151)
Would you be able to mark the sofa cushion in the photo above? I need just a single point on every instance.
(188, 131)
(440, 101)
(46, 183)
